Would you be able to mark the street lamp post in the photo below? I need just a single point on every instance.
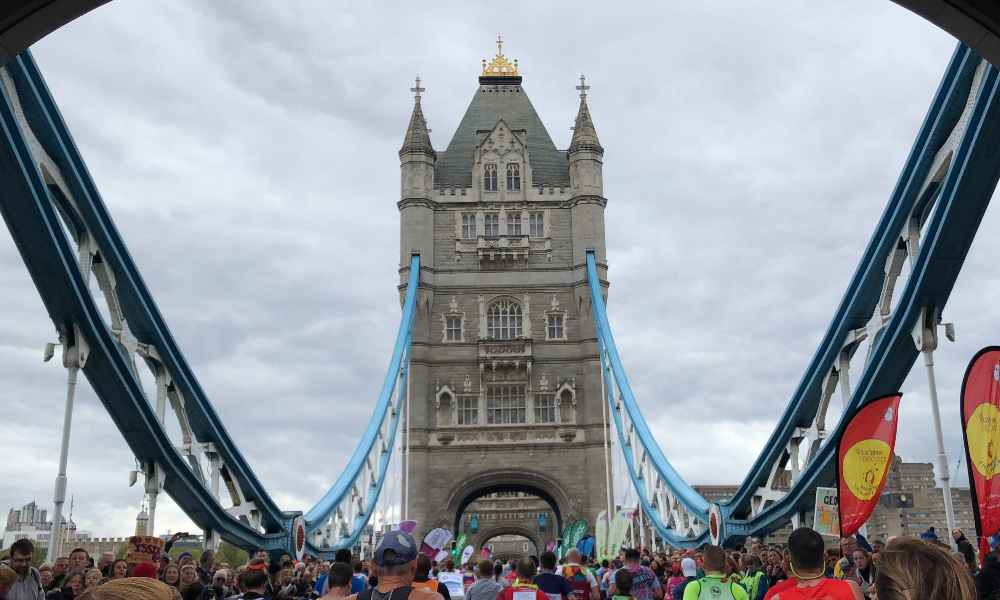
(925, 338)
(74, 356)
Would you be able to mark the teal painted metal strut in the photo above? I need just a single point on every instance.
(35, 211)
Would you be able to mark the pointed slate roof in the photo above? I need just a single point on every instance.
(417, 138)
(584, 134)
(492, 102)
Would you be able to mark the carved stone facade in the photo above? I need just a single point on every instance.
(505, 371)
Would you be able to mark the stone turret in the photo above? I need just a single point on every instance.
(417, 156)
(585, 153)
(142, 523)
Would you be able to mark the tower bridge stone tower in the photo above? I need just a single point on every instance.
(505, 369)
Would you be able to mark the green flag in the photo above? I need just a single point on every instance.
(575, 533)
(460, 543)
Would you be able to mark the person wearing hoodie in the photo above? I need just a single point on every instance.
(966, 548)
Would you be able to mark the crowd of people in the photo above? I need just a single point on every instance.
(902, 569)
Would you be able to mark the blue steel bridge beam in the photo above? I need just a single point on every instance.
(930, 221)
(827, 369)
(49, 203)
(963, 198)
(33, 221)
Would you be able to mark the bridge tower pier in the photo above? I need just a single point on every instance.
(505, 374)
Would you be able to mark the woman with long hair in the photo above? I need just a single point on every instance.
(70, 588)
(912, 569)
(119, 570)
(172, 576)
(864, 571)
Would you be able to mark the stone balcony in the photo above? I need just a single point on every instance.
(497, 252)
(505, 353)
(503, 251)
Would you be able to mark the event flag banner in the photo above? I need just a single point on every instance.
(576, 532)
(601, 532)
(826, 518)
(619, 527)
(407, 526)
(980, 415)
(466, 555)
(441, 555)
(550, 546)
(459, 545)
(586, 545)
(485, 553)
(566, 537)
(435, 541)
(863, 458)
(144, 548)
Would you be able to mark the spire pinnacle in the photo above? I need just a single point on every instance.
(584, 134)
(418, 137)
(583, 87)
(500, 67)
(416, 90)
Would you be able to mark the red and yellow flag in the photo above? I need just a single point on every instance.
(980, 414)
(863, 458)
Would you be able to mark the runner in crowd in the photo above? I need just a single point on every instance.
(394, 562)
(583, 581)
(645, 585)
(715, 584)
(485, 587)
(339, 581)
(805, 550)
(556, 587)
(522, 588)
(422, 578)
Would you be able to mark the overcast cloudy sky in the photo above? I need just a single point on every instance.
(247, 152)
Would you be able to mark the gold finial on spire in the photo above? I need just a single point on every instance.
(500, 67)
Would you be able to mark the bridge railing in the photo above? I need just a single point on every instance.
(65, 236)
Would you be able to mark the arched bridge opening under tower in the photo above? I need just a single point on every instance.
(503, 502)
(509, 548)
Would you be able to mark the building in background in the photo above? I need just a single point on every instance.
(911, 503)
(31, 523)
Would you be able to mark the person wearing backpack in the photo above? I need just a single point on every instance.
(715, 585)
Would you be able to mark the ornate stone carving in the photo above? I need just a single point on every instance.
(506, 436)
(445, 436)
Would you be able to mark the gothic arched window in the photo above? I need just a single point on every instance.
(490, 178)
(513, 176)
(504, 320)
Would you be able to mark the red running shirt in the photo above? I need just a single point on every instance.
(827, 589)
